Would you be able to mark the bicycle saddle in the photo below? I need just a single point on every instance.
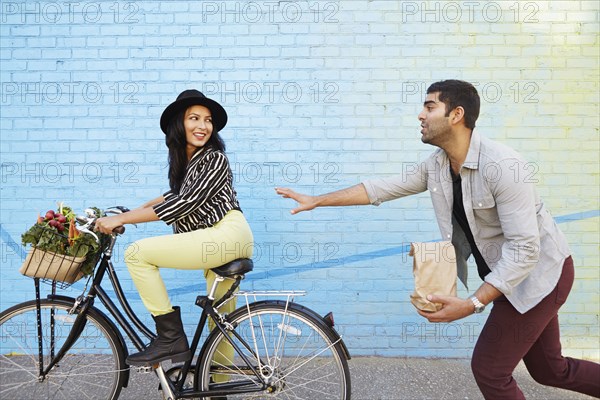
(235, 267)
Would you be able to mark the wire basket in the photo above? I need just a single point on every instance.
(51, 267)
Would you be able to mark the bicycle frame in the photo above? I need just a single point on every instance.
(171, 390)
(82, 305)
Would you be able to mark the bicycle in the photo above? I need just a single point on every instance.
(65, 347)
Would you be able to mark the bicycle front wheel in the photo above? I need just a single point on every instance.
(295, 354)
(91, 369)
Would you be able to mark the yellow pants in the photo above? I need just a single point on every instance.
(208, 248)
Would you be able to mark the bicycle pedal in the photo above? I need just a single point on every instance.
(144, 370)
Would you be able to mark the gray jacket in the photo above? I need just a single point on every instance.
(514, 232)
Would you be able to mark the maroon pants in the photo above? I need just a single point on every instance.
(509, 337)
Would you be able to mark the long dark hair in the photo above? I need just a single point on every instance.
(177, 144)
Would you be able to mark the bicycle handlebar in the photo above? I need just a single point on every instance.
(87, 221)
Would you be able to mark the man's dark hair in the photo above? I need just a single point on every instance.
(454, 93)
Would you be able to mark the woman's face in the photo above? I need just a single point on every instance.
(198, 127)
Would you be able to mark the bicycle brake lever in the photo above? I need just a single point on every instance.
(86, 230)
(117, 210)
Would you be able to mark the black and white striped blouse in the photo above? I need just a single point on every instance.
(206, 194)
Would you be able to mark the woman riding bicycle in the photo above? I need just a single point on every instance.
(209, 227)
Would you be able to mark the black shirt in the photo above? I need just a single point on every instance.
(458, 210)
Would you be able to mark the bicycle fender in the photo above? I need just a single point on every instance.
(334, 333)
(339, 339)
(64, 299)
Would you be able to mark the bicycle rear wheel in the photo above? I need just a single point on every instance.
(92, 369)
(293, 350)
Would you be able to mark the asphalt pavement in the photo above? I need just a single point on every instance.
(382, 378)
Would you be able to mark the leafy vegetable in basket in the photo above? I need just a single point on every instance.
(48, 234)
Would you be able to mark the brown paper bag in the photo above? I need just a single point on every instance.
(434, 268)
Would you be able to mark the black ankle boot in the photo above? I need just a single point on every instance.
(170, 344)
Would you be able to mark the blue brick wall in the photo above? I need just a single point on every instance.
(320, 94)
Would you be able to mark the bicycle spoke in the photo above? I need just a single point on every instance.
(255, 342)
(232, 371)
(20, 367)
(310, 359)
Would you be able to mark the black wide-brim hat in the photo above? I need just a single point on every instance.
(192, 97)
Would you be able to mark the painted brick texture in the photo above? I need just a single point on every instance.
(320, 95)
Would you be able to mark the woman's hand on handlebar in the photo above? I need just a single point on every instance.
(108, 224)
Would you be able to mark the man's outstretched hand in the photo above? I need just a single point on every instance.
(305, 202)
